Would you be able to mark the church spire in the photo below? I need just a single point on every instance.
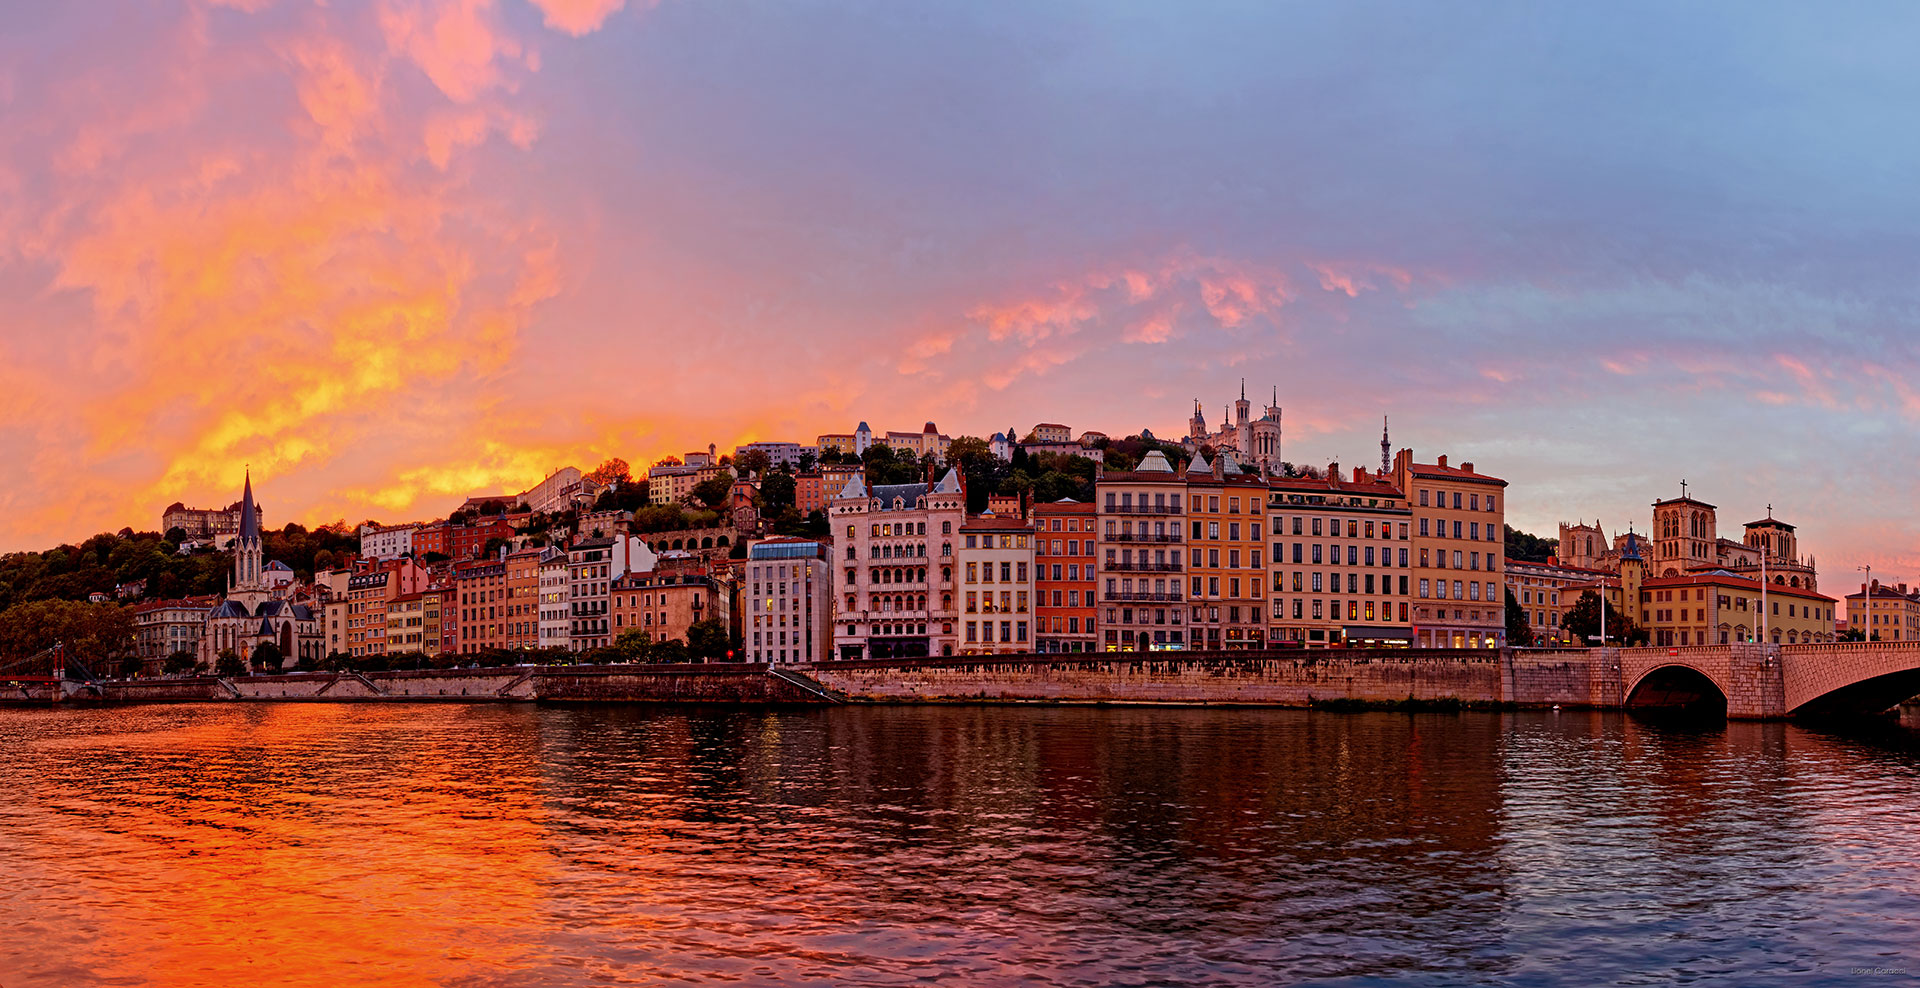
(249, 515)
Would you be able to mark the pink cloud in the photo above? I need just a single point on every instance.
(578, 17)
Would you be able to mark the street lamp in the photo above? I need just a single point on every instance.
(1866, 592)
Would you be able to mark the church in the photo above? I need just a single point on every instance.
(260, 606)
(1254, 443)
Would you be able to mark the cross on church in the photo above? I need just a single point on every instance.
(1683, 487)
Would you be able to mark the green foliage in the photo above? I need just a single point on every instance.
(886, 465)
(1583, 622)
(713, 491)
(229, 665)
(1044, 476)
(492, 549)
(300, 549)
(708, 640)
(776, 492)
(671, 518)
(267, 658)
(633, 644)
(808, 460)
(179, 662)
(1519, 632)
(602, 657)
(754, 461)
(92, 633)
(672, 650)
(1531, 548)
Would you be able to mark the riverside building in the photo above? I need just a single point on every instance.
(1342, 561)
(1141, 568)
(789, 584)
(1226, 555)
(1459, 543)
(995, 562)
(895, 555)
(1063, 578)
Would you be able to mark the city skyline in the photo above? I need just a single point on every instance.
(398, 255)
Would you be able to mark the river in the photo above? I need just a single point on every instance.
(289, 844)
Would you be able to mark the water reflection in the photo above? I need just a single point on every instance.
(317, 844)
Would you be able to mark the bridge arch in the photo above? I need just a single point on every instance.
(1677, 688)
(1837, 679)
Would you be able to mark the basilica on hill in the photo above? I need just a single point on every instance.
(1253, 443)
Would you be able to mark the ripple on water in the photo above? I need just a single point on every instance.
(365, 844)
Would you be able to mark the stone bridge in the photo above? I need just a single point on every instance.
(1762, 681)
(1741, 681)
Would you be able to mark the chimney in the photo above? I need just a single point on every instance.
(1219, 467)
(1443, 461)
(1359, 475)
(1467, 466)
(1333, 472)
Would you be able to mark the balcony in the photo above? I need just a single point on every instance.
(1141, 509)
(1144, 567)
(1142, 537)
(1130, 595)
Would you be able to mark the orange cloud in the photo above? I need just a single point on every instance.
(241, 296)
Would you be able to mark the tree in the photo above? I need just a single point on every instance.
(1519, 632)
(754, 462)
(776, 492)
(672, 650)
(808, 460)
(713, 491)
(1531, 548)
(492, 549)
(176, 535)
(229, 665)
(131, 667)
(708, 639)
(181, 661)
(91, 633)
(267, 658)
(1583, 621)
(612, 470)
(634, 644)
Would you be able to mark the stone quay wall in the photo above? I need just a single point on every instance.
(1293, 679)
(746, 683)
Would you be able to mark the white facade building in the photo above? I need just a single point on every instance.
(386, 542)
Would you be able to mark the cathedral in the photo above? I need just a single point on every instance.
(260, 606)
(1686, 539)
(1253, 443)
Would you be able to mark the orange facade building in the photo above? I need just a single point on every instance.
(1064, 577)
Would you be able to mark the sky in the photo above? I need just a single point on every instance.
(390, 254)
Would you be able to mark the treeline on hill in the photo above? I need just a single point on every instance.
(1530, 548)
(109, 560)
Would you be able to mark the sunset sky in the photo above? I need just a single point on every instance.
(394, 253)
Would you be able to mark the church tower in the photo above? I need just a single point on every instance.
(246, 545)
(1633, 573)
(1243, 422)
